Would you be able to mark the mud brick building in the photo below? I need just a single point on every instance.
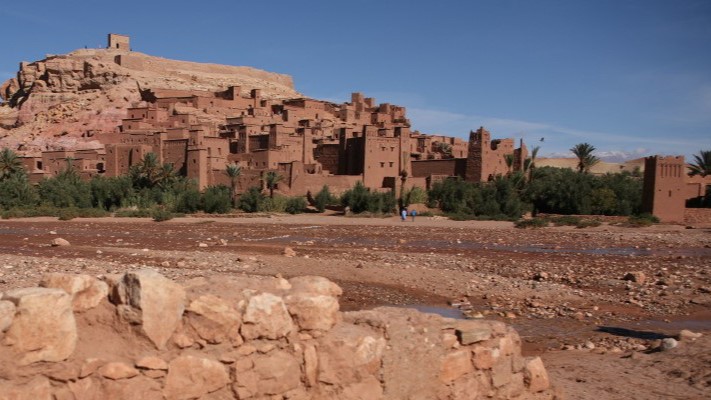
(310, 142)
(667, 187)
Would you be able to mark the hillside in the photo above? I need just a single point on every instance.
(62, 100)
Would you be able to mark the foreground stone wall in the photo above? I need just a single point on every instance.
(141, 335)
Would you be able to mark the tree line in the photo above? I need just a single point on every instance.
(152, 189)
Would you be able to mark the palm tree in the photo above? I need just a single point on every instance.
(702, 164)
(586, 159)
(509, 158)
(271, 179)
(147, 172)
(233, 171)
(10, 164)
(530, 163)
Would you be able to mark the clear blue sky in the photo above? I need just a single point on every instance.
(631, 76)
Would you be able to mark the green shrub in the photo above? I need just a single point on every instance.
(217, 200)
(360, 199)
(188, 200)
(110, 193)
(323, 199)
(588, 223)
(533, 223)
(642, 220)
(65, 190)
(251, 200)
(415, 195)
(160, 214)
(276, 204)
(489, 199)
(565, 220)
(16, 191)
(66, 214)
(133, 213)
(295, 205)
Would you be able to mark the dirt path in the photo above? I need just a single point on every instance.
(560, 287)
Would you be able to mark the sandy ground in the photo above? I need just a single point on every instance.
(562, 288)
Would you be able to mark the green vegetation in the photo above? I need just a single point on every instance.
(360, 199)
(700, 166)
(498, 199)
(159, 192)
(586, 160)
(324, 198)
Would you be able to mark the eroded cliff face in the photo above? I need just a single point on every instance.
(142, 335)
(63, 100)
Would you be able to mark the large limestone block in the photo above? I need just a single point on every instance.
(215, 320)
(349, 354)
(86, 291)
(455, 365)
(157, 303)
(313, 311)
(277, 372)
(535, 375)
(44, 328)
(315, 285)
(36, 389)
(7, 314)
(266, 317)
(190, 377)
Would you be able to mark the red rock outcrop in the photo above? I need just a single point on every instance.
(243, 344)
(61, 101)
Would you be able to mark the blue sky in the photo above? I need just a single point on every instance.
(632, 77)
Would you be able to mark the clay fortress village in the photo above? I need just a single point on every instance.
(309, 142)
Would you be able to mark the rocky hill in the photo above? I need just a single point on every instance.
(63, 100)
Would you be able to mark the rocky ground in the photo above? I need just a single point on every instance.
(597, 304)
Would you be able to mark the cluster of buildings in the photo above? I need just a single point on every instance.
(312, 143)
(308, 142)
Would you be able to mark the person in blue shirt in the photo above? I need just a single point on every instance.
(413, 213)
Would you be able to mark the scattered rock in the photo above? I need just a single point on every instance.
(636, 277)
(288, 252)
(668, 344)
(59, 242)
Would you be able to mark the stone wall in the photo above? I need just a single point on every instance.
(697, 215)
(141, 335)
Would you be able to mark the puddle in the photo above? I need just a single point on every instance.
(447, 312)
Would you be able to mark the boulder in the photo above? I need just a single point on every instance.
(314, 285)
(36, 389)
(157, 303)
(313, 311)
(59, 242)
(44, 328)
(636, 277)
(7, 314)
(86, 291)
(215, 320)
(535, 375)
(266, 317)
(347, 354)
(190, 377)
(277, 372)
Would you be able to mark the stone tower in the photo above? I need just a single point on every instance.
(119, 42)
(663, 192)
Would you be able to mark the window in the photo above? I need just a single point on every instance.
(382, 165)
(391, 163)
